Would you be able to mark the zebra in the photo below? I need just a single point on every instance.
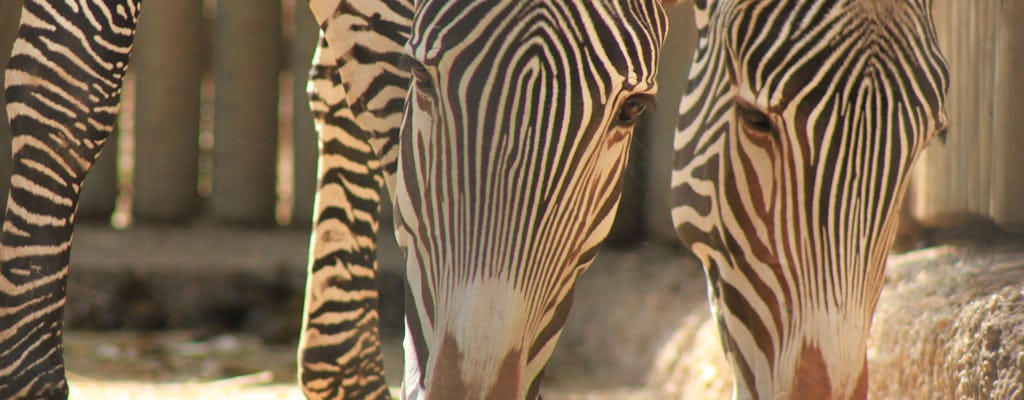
(499, 128)
(796, 134)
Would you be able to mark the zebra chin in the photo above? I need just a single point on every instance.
(449, 381)
(452, 377)
(813, 378)
(489, 342)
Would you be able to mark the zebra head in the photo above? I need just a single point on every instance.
(798, 130)
(515, 137)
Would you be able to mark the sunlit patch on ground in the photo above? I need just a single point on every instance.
(249, 387)
(174, 365)
(219, 308)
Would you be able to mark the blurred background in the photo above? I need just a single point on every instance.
(197, 216)
(215, 126)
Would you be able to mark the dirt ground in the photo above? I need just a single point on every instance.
(212, 313)
(173, 365)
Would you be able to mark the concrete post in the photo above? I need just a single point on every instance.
(975, 170)
(10, 15)
(304, 140)
(247, 63)
(99, 192)
(1008, 191)
(168, 66)
(949, 174)
(660, 128)
(628, 225)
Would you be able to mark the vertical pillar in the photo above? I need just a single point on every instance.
(645, 203)
(1008, 193)
(627, 227)
(952, 176)
(933, 174)
(168, 65)
(304, 139)
(247, 62)
(10, 15)
(660, 129)
(99, 192)
(974, 170)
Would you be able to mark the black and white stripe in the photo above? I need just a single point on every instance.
(509, 174)
(513, 144)
(357, 92)
(796, 136)
(63, 83)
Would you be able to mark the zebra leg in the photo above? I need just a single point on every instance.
(340, 354)
(361, 41)
(63, 85)
(367, 41)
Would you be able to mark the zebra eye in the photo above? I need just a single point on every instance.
(423, 79)
(754, 119)
(941, 134)
(631, 109)
(420, 75)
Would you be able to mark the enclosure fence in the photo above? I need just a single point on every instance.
(216, 127)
